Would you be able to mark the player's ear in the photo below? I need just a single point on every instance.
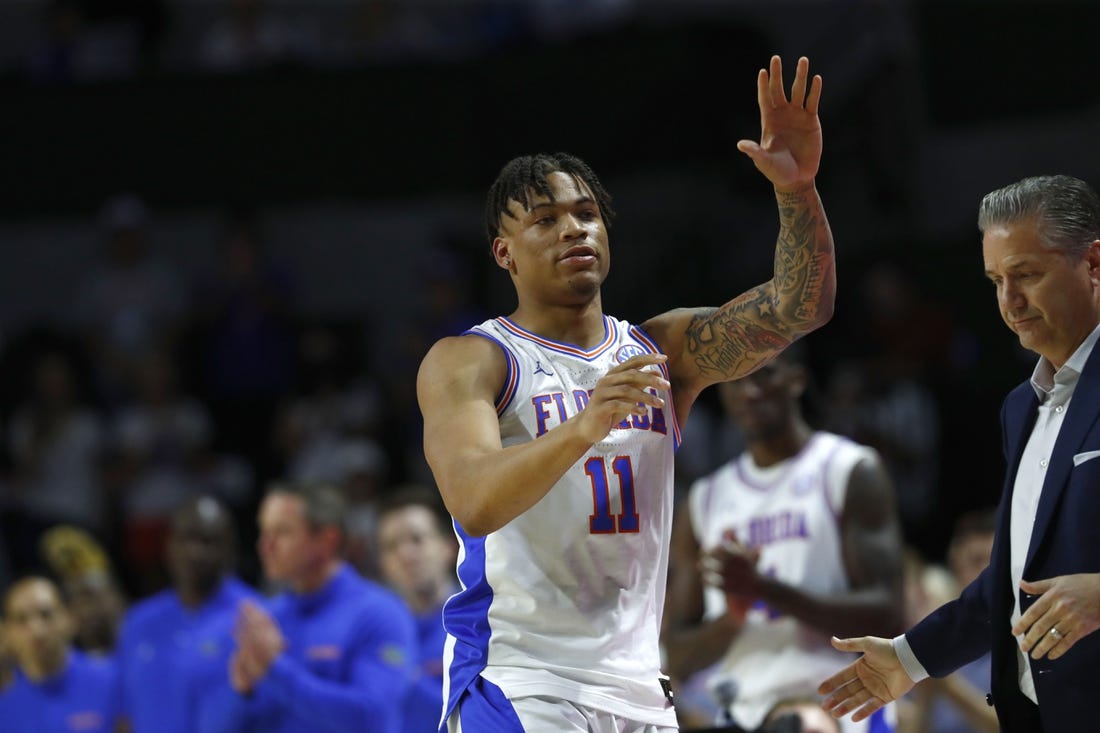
(501, 254)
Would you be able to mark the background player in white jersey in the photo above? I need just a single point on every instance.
(795, 539)
(563, 538)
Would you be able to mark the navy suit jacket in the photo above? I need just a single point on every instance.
(1065, 540)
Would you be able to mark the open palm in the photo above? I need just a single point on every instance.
(789, 151)
(868, 683)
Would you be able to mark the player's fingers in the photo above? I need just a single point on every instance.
(775, 82)
(798, 88)
(632, 385)
(621, 410)
(638, 363)
(763, 97)
(813, 101)
(636, 392)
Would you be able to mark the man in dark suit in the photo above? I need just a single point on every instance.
(1037, 604)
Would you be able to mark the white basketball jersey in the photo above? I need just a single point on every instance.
(790, 512)
(566, 599)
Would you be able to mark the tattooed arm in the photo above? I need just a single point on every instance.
(709, 345)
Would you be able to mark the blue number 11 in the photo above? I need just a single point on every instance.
(601, 520)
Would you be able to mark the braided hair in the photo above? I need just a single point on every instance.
(524, 178)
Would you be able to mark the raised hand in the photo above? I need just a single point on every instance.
(868, 683)
(789, 151)
(622, 392)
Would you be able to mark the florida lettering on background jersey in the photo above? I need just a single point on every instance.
(790, 512)
(566, 599)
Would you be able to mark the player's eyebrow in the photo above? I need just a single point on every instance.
(580, 200)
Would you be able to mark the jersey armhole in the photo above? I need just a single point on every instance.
(511, 377)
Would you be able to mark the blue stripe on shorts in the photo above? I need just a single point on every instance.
(483, 707)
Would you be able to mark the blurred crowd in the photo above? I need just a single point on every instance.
(75, 41)
(164, 382)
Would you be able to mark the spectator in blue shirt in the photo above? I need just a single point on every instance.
(333, 652)
(56, 689)
(417, 552)
(175, 645)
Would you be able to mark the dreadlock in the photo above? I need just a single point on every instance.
(524, 178)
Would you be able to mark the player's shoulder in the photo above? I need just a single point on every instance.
(470, 346)
(468, 362)
(830, 442)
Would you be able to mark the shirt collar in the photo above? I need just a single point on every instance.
(1044, 379)
(313, 599)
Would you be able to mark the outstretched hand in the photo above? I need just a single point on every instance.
(789, 151)
(868, 683)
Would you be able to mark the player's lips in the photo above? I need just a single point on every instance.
(579, 254)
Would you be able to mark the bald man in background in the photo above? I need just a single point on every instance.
(175, 645)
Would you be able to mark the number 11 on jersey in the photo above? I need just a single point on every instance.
(601, 521)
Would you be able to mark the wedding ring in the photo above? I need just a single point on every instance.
(1056, 633)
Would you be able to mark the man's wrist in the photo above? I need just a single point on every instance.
(908, 659)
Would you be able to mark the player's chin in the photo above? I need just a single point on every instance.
(585, 284)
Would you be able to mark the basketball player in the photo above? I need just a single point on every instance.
(551, 433)
(798, 537)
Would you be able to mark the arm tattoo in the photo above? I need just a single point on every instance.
(727, 342)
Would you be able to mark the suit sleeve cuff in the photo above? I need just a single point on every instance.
(908, 659)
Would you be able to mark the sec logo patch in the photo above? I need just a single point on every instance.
(627, 352)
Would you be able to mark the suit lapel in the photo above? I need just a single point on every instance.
(1080, 417)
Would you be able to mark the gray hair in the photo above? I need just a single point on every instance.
(1066, 209)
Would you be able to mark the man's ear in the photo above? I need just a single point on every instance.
(1092, 257)
(501, 254)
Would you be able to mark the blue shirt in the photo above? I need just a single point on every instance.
(348, 665)
(81, 699)
(424, 705)
(170, 655)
